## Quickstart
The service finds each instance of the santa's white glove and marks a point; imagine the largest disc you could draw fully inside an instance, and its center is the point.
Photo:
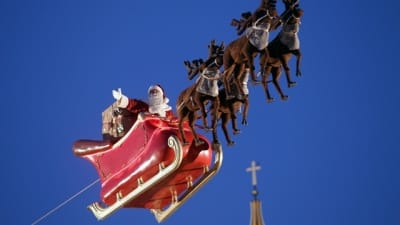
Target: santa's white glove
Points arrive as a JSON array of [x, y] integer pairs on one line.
[[122, 100], [117, 94]]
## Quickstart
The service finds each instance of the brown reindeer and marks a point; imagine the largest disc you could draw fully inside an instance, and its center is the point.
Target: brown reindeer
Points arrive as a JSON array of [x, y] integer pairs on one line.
[[240, 53], [248, 18], [280, 51], [205, 89], [228, 110]]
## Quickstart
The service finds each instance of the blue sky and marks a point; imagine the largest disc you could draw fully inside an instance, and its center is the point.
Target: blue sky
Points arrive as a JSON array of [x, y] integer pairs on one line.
[[329, 155]]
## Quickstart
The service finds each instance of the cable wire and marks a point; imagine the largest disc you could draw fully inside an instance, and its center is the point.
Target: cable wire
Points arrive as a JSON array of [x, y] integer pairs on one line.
[[65, 202]]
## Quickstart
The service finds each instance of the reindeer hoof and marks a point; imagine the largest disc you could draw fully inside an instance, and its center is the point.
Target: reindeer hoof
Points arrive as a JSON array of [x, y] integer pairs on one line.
[[236, 131], [292, 84], [285, 97], [231, 143], [270, 100], [216, 145]]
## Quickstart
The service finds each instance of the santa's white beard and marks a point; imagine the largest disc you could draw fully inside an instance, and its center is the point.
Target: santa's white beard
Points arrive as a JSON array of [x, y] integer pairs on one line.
[[157, 105]]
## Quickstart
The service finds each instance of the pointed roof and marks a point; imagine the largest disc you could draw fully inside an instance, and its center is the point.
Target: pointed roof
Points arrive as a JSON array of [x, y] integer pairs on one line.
[[256, 217]]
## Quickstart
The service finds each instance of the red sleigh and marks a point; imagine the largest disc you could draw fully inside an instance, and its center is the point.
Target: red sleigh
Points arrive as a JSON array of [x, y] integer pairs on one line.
[[149, 167]]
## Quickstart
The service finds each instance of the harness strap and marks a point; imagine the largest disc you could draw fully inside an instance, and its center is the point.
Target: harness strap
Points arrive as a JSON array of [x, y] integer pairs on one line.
[[216, 77]]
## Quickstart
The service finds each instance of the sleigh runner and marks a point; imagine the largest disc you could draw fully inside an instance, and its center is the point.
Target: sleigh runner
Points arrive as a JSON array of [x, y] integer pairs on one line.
[[149, 167]]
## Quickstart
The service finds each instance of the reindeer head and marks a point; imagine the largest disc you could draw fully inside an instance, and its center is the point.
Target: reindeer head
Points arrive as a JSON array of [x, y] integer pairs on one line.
[[298, 12], [291, 4], [296, 15], [266, 13], [270, 6], [216, 52]]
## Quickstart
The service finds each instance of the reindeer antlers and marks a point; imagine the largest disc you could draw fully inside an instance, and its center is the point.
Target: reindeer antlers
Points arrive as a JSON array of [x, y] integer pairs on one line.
[[192, 68]]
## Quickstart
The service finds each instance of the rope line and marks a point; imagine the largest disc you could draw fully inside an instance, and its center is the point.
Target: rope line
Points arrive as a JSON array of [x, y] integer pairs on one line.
[[65, 202]]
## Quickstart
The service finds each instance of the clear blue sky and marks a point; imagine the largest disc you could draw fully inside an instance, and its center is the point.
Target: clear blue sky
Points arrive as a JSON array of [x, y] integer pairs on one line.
[[329, 155]]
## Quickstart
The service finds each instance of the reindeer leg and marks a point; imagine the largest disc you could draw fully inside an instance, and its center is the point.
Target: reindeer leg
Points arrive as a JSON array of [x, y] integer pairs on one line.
[[297, 53], [285, 65], [200, 103], [192, 119], [225, 119], [238, 81], [264, 55], [180, 127], [276, 73], [265, 83], [232, 115], [245, 110], [216, 105], [250, 64], [234, 124], [226, 77]]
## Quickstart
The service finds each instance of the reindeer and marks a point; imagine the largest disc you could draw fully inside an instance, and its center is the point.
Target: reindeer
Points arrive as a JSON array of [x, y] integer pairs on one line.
[[230, 107], [248, 18], [240, 53], [280, 51], [204, 90]]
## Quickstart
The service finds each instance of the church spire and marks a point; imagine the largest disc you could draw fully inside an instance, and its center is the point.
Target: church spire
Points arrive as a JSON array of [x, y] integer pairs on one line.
[[256, 217]]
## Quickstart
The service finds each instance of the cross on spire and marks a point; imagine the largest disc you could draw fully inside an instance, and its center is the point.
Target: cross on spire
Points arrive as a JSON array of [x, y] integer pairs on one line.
[[253, 169]]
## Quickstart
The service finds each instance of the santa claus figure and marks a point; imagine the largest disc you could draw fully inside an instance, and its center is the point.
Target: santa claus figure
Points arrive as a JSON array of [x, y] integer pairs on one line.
[[158, 102], [120, 116]]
